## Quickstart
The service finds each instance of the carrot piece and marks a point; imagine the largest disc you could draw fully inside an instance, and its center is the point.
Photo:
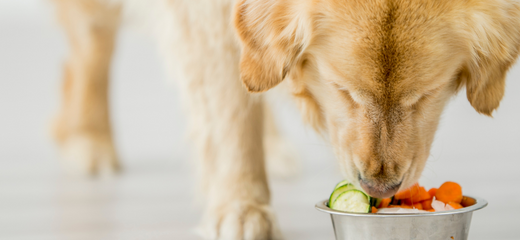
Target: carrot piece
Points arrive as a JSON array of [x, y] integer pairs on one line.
[[406, 206], [407, 193], [384, 203], [449, 192], [374, 209], [467, 201], [418, 206], [427, 204], [431, 210], [420, 196], [400, 206], [432, 192], [455, 205]]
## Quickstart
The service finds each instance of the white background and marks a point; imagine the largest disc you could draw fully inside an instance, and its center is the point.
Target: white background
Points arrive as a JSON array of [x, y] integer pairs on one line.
[[152, 199]]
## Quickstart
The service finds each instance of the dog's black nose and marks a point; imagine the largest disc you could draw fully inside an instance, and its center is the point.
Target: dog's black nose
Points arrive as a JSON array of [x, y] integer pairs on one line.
[[379, 190]]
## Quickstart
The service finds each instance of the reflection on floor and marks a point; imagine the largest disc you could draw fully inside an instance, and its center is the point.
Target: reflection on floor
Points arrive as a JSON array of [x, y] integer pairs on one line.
[[149, 200]]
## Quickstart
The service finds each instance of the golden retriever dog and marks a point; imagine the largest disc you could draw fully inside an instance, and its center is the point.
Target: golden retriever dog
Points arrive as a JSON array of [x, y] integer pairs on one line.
[[372, 75]]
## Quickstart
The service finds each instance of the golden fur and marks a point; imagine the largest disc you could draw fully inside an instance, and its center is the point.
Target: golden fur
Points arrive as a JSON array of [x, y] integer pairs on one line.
[[82, 127], [373, 75], [376, 74]]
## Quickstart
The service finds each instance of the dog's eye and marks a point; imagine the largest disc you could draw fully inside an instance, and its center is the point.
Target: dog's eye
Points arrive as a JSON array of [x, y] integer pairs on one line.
[[414, 101], [409, 100], [346, 94], [360, 97], [415, 106], [425, 98]]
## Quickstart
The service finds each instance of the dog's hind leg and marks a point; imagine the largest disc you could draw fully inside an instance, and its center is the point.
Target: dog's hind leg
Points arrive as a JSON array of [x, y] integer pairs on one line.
[[82, 126]]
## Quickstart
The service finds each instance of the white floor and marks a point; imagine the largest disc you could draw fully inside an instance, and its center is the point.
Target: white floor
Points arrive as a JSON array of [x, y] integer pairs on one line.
[[152, 198]]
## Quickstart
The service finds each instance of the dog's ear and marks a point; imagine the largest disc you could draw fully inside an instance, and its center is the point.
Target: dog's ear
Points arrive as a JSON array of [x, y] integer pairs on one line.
[[494, 32], [274, 33]]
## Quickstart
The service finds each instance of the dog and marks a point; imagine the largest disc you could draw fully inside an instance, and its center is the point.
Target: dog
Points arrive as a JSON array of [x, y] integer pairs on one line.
[[372, 75]]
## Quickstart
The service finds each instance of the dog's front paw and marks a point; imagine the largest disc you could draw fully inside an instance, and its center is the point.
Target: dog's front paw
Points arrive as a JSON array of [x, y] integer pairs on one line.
[[87, 155], [241, 222]]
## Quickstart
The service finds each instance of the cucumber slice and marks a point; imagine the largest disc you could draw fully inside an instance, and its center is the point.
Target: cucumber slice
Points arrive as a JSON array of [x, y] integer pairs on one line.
[[339, 191], [344, 182], [352, 200]]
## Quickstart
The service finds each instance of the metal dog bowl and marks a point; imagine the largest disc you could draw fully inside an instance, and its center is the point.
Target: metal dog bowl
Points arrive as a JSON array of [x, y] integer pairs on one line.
[[446, 225]]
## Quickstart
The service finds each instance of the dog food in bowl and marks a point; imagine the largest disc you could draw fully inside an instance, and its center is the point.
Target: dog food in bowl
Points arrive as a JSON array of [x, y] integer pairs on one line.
[[415, 199], [413, 213]]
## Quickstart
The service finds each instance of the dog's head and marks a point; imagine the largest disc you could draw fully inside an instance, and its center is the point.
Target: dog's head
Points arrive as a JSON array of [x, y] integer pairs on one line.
[[376, 74]]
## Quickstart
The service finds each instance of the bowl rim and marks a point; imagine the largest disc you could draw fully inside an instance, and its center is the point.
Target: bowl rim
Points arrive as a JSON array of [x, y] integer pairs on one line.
[[480, 203]]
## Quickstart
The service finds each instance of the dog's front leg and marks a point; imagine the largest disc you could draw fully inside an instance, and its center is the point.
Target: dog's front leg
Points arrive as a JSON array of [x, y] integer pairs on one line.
[[233, 171]]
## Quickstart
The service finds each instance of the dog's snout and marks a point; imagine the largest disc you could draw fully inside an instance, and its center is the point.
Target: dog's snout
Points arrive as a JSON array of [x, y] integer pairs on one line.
[[379, 190]]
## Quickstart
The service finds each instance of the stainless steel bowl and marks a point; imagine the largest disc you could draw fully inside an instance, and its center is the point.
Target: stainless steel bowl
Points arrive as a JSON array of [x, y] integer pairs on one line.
[[445, 225]]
